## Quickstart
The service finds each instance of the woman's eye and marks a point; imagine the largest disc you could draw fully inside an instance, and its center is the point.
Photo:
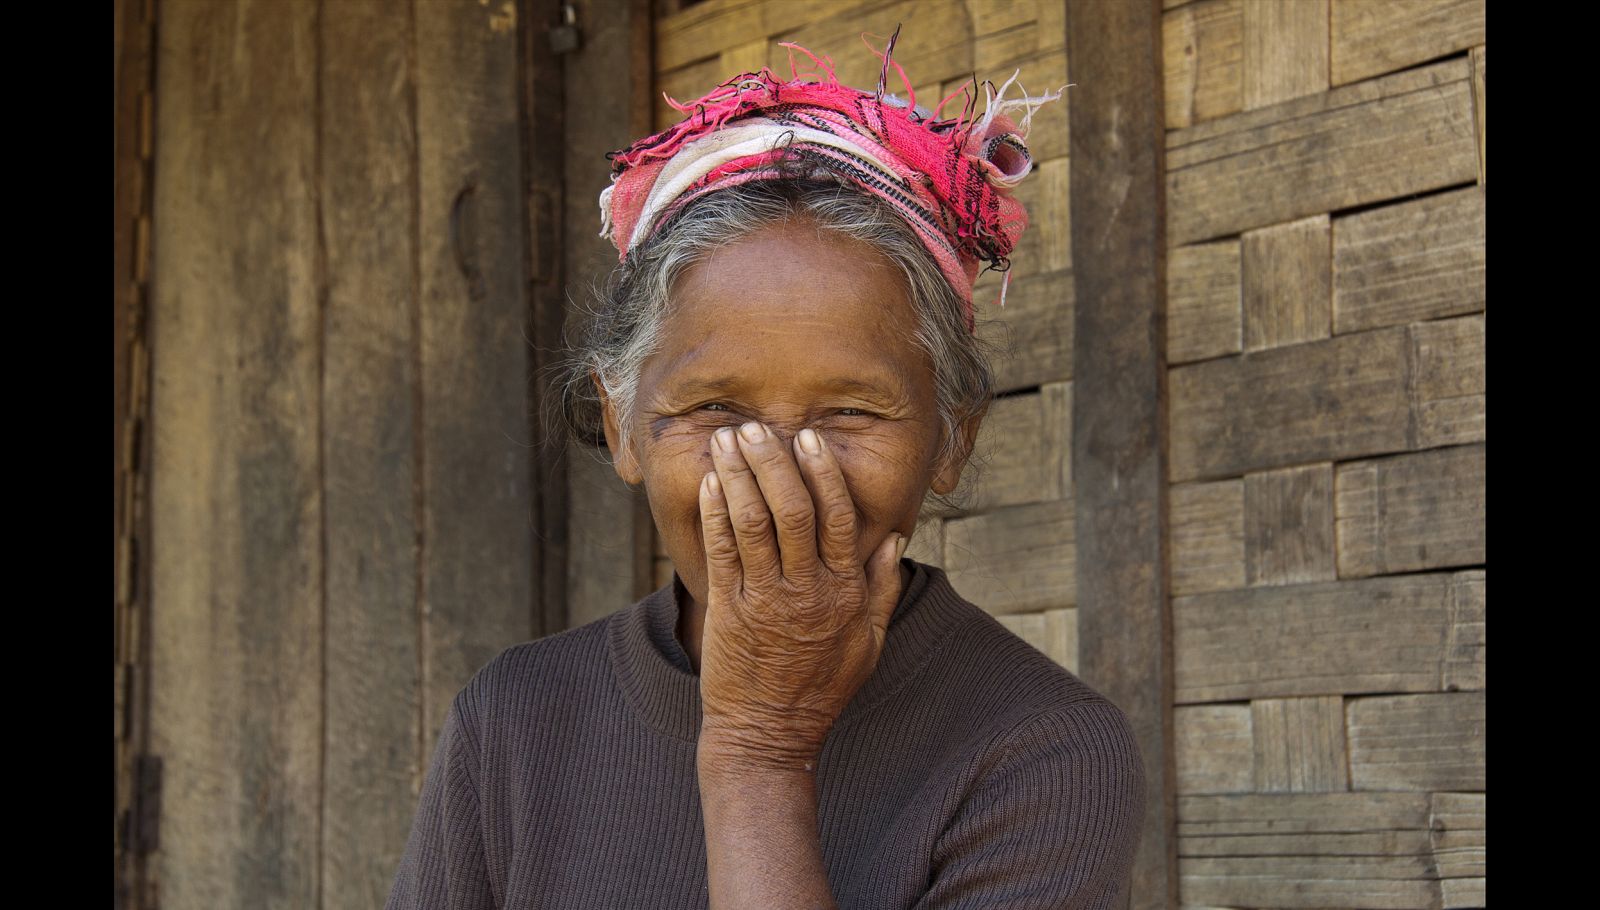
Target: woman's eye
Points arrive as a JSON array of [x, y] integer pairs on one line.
[[853, 412]]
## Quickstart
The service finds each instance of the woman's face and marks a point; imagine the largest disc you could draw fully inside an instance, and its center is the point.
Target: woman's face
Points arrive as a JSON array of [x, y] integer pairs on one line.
[[793, 328]]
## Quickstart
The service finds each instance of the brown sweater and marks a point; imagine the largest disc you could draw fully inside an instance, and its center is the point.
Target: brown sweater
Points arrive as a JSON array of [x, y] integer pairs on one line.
[[969, 771]]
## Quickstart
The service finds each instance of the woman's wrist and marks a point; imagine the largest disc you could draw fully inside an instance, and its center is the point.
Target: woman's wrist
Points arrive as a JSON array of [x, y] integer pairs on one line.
[[734, 750]]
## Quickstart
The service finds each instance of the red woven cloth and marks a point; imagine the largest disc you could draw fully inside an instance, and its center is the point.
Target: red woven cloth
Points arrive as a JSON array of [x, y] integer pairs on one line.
[[951, 179]]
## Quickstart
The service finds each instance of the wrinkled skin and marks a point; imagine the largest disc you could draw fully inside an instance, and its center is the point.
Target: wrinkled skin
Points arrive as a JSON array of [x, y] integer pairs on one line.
[[789, 558]]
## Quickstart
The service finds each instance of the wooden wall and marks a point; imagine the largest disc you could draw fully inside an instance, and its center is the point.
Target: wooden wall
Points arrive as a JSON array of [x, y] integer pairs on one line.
[[1326, 299], [343, 507]]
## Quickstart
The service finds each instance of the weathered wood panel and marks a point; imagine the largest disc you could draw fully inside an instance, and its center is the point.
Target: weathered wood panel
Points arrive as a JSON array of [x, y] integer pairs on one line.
[[479, 594], [1373, 38], [1054, 632], [1214, 748], [602, 568], [1203, 57], [1339, 398], [1450, 365], [1207, 536], [1309, 850], [236, 495], [1289, 525], [1025, 449], [1429, 741], [1412, 261], [600, 575], [1299, 744], [1119, 372], [1350, 396], [1285, 51], [1018, 559], [1480, 74], [1034, 331], [1383, 139], [1426, 510], [1287, 274], [1386, 634], [1458, 828], [1467, 641], [370, 370], [1205, 315]]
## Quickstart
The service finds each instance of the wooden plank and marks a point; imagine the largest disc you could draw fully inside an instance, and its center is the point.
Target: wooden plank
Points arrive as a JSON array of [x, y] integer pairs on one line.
[[237, 538], [1250, 815], [1449, 363], [1429, 741], [1285, 51], [602, 574], [1458, 828], [1356, 882], [1024, 449], [1287, 273], [1054, 632], [1033, 331], [1289, 525], [1413, 261], [1386, 634], [1205, 316], [479, 591], [1467, 641], [1425, 510], [708, 29], [1299, 744], [1018, 559], [1203, 54], [1214, 748], [748, 57], [935, 43], [1119, 372], [370, 483], [1207, 536], [1479, 77], [1403, 134], [1004, 32], [1369, 39], [1344, 397]]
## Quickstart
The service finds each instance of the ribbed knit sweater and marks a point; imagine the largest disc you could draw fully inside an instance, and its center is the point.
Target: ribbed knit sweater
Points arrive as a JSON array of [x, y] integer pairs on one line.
[[970, 770]]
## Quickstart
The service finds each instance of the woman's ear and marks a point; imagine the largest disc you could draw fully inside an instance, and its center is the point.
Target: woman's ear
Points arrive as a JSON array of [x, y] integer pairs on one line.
[[622, 458], [947, 474]]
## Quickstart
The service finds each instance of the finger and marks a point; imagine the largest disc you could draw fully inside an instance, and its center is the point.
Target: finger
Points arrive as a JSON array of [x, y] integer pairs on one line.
[[883, 585], [787, 498], [747, 511], [716, 533], [835, 510]]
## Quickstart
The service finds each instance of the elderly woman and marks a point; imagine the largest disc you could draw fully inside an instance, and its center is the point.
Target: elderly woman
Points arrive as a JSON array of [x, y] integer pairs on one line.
[[785, 362]]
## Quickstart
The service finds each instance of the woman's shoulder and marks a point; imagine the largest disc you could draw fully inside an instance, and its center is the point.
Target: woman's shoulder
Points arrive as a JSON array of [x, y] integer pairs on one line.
[[549, 669], [997, 694]]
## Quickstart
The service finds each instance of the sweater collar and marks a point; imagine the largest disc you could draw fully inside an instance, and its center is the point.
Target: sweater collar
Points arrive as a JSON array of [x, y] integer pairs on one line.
[[655, 674]]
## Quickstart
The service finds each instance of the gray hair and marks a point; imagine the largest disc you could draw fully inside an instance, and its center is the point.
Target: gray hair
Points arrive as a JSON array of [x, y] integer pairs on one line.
[[624, 329]]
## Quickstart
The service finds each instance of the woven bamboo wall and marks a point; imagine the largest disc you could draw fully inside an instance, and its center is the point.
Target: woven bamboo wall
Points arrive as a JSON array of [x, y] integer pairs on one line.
[[1327, 289]]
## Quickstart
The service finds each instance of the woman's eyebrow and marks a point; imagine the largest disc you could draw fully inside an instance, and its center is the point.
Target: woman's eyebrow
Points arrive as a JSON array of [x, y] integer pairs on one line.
[[840, 384]]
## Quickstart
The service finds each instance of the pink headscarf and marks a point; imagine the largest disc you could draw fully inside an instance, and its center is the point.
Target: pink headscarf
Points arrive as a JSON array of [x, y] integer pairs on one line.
[[950, 179]]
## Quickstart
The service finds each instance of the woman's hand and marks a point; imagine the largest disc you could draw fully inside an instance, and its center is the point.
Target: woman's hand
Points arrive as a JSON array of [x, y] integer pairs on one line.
[[794, 625]]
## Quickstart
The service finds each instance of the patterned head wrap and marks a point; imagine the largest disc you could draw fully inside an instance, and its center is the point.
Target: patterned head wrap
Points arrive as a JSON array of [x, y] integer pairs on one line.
[[951, 179]]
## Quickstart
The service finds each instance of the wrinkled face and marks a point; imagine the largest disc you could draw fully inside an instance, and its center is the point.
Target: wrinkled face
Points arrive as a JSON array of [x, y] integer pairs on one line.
[[792, 328]]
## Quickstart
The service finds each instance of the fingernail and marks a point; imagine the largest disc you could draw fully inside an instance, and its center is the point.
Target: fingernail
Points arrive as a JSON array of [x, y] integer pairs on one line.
[[725, 440], [753, 432], [809, 441], [714, 484], [900, 548]]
